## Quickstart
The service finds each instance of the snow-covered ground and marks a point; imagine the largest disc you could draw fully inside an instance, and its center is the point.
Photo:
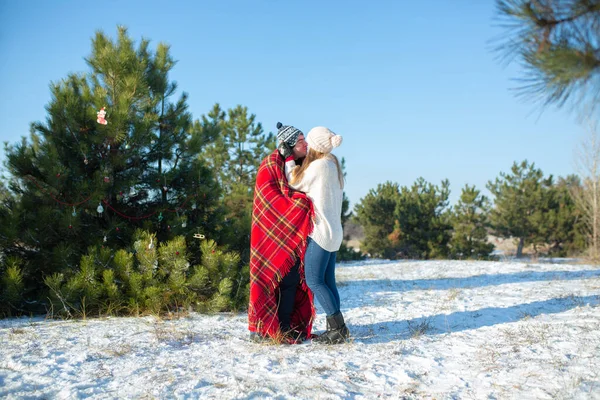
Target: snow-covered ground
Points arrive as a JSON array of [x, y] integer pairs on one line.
[[421, 329]]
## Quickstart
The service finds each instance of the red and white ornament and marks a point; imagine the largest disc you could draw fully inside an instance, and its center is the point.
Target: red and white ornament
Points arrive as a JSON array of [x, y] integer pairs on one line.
[[101, 117]]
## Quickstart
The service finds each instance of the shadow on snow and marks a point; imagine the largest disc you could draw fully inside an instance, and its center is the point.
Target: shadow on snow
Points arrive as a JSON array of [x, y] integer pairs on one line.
[[383, 332]]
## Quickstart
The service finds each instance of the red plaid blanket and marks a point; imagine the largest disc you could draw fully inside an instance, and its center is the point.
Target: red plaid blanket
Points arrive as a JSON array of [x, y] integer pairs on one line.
[[281, 222]]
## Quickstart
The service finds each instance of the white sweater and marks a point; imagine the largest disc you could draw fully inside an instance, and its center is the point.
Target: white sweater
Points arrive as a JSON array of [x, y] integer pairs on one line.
[[321, 183]]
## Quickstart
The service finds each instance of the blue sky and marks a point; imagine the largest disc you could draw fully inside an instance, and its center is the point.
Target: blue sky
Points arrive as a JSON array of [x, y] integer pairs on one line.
[[414, 87]]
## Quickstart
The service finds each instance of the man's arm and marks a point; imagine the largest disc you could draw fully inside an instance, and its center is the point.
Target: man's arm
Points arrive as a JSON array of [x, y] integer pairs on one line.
[[290, 165], [309, 178]]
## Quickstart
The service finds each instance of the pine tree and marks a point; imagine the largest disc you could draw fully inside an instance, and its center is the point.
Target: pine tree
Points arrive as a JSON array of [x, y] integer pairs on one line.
[[238, 146], [346, 212], [115, 154], [559, 220], [12, 279], [346, 253], [11, 285], [422, 229], [8, 218], [156, 277], [218, 280], [517, 197], [375, 213], [469, 223], [558, 42]]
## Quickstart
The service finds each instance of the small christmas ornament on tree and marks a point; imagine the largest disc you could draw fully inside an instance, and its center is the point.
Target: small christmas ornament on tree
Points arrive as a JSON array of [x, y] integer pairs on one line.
[[101, 117]]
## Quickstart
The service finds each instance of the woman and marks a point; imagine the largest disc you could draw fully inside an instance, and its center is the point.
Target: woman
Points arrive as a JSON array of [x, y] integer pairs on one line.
[[320, 177]]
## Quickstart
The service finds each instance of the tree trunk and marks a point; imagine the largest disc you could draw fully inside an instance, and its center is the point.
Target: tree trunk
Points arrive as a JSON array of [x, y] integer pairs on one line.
[[520, 247], [595, 217]]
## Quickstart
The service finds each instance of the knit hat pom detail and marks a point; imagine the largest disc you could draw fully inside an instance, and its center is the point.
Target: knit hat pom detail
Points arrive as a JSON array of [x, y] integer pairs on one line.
[[336, 140], [279, 125]]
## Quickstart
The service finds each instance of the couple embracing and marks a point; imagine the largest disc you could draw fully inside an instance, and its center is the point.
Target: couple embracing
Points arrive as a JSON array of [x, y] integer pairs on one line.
[[296, 233]]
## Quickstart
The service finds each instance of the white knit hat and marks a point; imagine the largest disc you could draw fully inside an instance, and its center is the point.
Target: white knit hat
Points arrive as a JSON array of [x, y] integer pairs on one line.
[[322, 139]]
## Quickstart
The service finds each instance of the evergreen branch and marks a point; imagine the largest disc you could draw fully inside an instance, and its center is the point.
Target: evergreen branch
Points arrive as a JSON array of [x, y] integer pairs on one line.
[[558, 44]]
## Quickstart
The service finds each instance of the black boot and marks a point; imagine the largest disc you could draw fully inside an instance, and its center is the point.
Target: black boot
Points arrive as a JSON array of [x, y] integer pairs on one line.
[[337, 332], [327, 327]]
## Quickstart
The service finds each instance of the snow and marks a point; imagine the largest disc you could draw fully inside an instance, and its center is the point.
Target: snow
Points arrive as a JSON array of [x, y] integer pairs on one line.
[[420, 329]]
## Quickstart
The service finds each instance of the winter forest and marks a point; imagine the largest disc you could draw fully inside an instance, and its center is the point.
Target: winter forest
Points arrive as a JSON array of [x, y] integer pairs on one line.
[[121, 202], [126, 213]]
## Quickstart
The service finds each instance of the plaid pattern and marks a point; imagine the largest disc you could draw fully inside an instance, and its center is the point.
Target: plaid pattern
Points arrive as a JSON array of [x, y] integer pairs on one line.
[[281, 222]]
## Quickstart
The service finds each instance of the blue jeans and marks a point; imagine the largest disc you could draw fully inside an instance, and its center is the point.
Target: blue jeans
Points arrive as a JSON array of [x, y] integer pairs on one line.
[[319, 268]]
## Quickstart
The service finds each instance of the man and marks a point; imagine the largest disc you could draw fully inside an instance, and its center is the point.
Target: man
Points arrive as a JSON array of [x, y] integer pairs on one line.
[[281, 305]]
